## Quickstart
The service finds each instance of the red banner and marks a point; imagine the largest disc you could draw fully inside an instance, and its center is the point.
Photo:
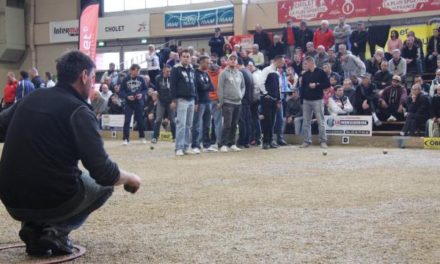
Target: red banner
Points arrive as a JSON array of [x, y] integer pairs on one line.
[[332, 9], [88, 28]]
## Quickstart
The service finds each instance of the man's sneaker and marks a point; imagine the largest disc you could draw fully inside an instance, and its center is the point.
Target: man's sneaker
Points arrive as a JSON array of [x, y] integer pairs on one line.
[[266, 146], [377, 122], [31, 238], [304, 145], [273, 145], [324, 145], [179, 152], [143, 141], [391, 119], [212, 149], [224, 149], [59, 244], [125, 142], [154, 140], [196, 151], [282, 142], [246, 146], [235, 148], [402, 133]]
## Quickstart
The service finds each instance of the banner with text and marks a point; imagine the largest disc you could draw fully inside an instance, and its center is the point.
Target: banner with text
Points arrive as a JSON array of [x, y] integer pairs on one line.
[[349, 125], [333, 9], [114, 122], [215, 17]]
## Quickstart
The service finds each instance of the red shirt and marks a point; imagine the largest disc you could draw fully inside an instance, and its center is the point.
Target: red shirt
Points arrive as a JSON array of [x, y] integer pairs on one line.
[[9, 94], [325, 39], [290, 37]]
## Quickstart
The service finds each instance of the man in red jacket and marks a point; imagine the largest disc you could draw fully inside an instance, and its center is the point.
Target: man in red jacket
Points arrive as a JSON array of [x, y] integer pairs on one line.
[[324, 36], [9, 91]]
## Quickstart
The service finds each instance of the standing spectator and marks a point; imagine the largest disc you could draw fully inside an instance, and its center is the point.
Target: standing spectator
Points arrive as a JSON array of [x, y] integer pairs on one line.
[[289, 38], [339, 104], [231, 89], [417, 111], [153, 63], [217, 42], [294, 112], [358, 40], [411, 54], [36, 78], [277, 48], [394, 42], [245, 119], [271, 100], [163, 107], [202, 113], [314, 81], [324, 36], [111, 73], [383, 77], [342, 33], [24, 87], [279, 117], [366, 100], [433, 50], [216, 111], [350, 92], [183, 94], [9, 91], [255, 138], [392, 101], [352, 65], [134, 89], [397, 65], [257, 57], [321, 57], [261, 38], [49, 82], [305, 35], [435, 84], [105, 92], [374, 64]]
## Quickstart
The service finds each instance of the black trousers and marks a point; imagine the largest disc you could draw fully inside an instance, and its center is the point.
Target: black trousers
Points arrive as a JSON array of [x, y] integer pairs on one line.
[[231, 113], [269, 108], [414, 121]]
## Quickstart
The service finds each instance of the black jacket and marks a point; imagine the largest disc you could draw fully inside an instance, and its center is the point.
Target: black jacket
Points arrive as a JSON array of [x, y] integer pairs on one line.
[[216, 45], [182, 82], [317, 76], [278, 49], [272, 85], [419, 107], [249, 87], [203, 86], [50, 131], [435, 106], [361, 38], [37, 81], [262, 39], [302, 37], [382, 77], [163, 88], [294, 108], [133, 86]]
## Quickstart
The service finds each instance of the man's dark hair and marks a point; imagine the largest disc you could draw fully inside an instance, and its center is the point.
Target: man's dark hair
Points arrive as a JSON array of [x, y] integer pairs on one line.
[[24, 74], [166, 66], [202, 58], [310, 59], [71, 64], [135, 67], [418, 76], [48, 75], [278, 57], [185, 51]]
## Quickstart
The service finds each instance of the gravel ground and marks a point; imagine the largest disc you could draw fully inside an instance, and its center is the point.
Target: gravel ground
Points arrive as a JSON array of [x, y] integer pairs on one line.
[[279, 206]]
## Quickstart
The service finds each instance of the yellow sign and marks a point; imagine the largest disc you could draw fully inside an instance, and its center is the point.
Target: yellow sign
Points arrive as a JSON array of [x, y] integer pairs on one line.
[[166, 136], [431, 143], [423, 32]]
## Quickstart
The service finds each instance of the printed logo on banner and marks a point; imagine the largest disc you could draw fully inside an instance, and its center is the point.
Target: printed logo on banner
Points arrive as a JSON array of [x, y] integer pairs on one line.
[[190, 19], [172, 20], [402, 5], [208, 18], [225, 15], [349, 125]]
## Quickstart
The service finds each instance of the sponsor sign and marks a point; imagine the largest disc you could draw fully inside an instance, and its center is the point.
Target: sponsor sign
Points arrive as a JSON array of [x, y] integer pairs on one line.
[[333, 9], [245, 41], [120, 27], [431, 143], [88, 29], [199, 18], [349, 125], [166, 136], [114, 122], [423, 32]]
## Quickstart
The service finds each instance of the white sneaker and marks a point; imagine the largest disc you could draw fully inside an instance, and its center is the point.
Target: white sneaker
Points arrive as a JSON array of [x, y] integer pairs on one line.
[[196, 150], [189, 152], [143, 141], [235, 148], [180, 153], [391, 119], [212, 149], [224, 149], [125, 142], [402, 133]]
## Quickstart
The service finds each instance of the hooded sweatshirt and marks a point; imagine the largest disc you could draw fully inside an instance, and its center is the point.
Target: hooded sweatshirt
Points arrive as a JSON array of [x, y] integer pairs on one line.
[[231, 87]]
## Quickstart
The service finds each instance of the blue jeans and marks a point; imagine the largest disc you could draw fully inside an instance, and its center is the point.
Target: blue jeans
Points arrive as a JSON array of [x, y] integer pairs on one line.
[[279, 123], [202, 122], [184, 121], [217, 116], [138, 108], [310, 107]]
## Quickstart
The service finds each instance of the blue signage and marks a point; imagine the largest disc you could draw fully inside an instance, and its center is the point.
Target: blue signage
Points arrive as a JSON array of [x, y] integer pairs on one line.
[[199, 18]]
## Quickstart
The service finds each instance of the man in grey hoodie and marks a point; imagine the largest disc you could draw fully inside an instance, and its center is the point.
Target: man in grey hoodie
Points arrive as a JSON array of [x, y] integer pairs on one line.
[[231, 89], [352, 65], [342, 33]]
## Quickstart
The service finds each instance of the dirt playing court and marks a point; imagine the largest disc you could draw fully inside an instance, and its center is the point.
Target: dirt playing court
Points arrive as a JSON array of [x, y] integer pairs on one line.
[[355, 205]]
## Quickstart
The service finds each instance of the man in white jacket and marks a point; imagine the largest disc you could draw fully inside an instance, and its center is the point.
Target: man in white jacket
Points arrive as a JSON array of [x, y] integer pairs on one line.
[[339, 104]]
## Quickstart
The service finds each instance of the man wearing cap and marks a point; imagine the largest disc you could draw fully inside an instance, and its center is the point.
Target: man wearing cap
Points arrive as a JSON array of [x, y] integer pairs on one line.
[[392, 100], [305, 35], [358, 39], [289, 38], [231, 89], [216, 43]]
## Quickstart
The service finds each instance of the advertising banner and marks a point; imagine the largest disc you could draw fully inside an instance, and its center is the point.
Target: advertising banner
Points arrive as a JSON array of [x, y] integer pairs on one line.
[[114, 122], [431, 143], [349, 125], [199, 18], [88, 29]]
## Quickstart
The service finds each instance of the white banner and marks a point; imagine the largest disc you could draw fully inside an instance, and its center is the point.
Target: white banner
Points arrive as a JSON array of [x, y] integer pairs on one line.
[[119, 27], [349, 125], [114, 122]]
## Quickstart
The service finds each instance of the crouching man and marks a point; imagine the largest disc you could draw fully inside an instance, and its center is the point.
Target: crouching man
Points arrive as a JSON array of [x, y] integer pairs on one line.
[[52, 129]]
